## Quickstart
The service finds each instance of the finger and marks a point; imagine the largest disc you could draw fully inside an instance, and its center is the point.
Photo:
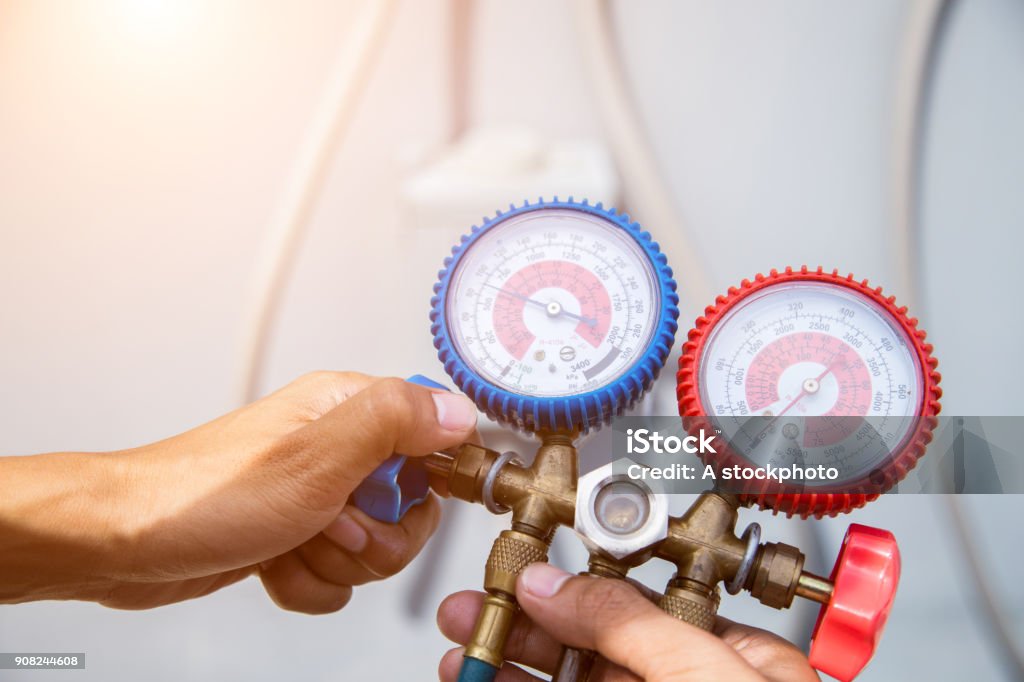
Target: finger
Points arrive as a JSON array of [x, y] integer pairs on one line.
[[606, 671], [294, 587], [451, 663], [526, 644], [333, 564], [650, 595], [381, 549], [613, 618], [336, 452], [774, 657]]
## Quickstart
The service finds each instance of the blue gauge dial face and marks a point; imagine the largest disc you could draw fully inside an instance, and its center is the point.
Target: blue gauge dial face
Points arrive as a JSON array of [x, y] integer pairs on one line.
[[553, 303]]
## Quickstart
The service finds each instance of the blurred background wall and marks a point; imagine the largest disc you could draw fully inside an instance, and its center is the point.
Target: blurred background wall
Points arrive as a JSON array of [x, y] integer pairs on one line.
[[144, 144]]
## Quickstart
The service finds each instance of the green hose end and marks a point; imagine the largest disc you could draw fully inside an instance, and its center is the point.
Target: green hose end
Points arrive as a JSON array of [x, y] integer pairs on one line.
[[475, 670]]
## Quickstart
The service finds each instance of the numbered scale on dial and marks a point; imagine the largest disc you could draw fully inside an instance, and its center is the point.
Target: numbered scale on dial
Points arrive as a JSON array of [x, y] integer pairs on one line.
[[555, 315], [816, 374]]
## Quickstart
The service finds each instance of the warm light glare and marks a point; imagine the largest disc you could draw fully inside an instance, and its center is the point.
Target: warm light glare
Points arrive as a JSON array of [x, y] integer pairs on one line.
[[147, 21]]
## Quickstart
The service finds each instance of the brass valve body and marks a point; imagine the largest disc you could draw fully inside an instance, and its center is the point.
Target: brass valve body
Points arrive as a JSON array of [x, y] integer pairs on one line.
[[702, 543], [541, 497]]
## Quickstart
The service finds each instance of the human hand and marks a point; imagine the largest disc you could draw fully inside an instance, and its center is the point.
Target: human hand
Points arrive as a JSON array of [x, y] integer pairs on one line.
[[260, 490], [635, 639]]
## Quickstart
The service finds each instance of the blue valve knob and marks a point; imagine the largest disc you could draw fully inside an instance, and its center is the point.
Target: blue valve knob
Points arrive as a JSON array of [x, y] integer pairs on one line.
[[394, 488]]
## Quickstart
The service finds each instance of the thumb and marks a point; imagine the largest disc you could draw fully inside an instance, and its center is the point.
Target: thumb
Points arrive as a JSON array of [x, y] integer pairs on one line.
[[344, 446], [614, 619]]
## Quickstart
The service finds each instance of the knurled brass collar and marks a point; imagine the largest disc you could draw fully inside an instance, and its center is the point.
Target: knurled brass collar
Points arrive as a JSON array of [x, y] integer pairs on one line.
[[511, 553]]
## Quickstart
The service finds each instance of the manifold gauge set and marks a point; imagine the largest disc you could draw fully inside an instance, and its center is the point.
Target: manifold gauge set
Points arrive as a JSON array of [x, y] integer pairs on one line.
[[556, 318]]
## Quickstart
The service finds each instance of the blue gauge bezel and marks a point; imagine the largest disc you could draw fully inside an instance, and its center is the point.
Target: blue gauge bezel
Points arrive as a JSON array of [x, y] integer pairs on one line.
[[585, 411]]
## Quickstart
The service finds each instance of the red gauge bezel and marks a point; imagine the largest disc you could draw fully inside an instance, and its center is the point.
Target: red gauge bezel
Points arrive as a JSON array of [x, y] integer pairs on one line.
[[778, 497]]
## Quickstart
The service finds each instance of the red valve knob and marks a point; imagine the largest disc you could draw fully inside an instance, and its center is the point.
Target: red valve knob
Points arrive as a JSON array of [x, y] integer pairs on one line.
[[849, 626]]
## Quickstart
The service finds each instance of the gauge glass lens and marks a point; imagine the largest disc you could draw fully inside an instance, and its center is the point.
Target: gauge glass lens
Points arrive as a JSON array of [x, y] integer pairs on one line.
[[622, 507], [812, 373], [552, 303]]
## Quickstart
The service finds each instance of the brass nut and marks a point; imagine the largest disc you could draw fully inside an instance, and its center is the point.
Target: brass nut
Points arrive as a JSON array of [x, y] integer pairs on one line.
[[468, 472], [776, 574], [511, 553]]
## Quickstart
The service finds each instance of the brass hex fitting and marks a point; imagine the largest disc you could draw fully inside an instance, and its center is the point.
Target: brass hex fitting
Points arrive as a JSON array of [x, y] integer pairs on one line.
[[776, 574], [541, 496], [469, 471]]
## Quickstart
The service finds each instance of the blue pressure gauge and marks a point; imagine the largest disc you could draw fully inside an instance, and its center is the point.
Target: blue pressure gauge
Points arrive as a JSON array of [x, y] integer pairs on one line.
[[555, 315]]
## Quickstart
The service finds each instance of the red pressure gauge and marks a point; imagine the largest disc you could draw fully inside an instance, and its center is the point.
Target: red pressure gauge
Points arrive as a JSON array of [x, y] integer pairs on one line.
[[818, 375]]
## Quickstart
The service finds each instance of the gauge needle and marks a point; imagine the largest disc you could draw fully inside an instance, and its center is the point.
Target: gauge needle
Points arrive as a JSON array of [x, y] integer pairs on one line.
[[553, 308], [809, 386]]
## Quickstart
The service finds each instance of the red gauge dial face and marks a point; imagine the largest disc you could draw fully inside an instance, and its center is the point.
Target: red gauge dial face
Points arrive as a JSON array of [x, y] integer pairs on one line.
[[811, 371], [813, 376]]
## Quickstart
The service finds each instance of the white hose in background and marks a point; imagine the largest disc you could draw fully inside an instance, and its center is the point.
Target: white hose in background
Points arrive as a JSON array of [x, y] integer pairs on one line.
[[910, 92], [1000, 626], [641, 176], [916, 68], [331, 121]]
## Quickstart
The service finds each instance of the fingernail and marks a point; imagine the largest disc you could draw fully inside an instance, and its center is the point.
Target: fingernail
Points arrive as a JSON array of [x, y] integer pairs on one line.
[[455, 412], [347, 533], [543, 580]]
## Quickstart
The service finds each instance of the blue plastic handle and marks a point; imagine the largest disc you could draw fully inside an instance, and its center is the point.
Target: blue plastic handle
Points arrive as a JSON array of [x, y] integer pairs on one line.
[[394, 488]]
